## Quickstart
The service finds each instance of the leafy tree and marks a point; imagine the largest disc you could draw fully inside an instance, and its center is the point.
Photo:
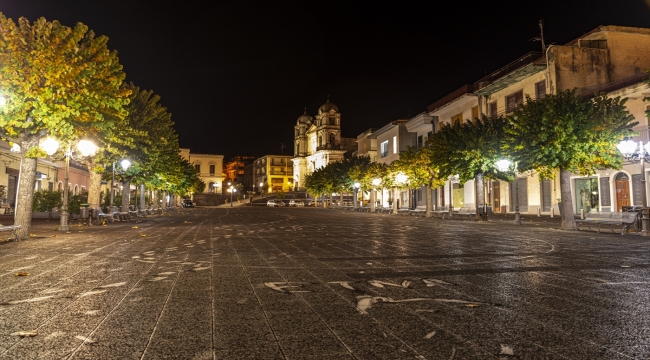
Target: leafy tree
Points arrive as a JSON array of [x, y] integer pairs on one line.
[[470, 150], [569, 134], [421, 171], [57, 81]]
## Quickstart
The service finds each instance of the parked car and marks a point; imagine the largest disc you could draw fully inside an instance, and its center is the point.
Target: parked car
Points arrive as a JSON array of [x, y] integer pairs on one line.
[[275, 203], [187, 203], [300, 204], [292, 202]]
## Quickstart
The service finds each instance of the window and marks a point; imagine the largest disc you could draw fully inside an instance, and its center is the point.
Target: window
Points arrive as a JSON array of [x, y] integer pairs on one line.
[[540, 90], [365, 146], [384, 149], [332, 138], [420, 141], [594, 44], [50, 186], [320, 141], [474, 113], [493, 109], [197, 167], [332, 121], [457, 119], [394, 144], [514, 100], [212, 169]]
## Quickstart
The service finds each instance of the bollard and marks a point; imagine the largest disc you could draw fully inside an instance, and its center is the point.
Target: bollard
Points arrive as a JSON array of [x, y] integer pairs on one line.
[[582, 214], [539, 212], [552, 211]]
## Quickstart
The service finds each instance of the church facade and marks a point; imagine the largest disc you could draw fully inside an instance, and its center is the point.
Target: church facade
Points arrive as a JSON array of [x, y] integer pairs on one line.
[[318, 142]]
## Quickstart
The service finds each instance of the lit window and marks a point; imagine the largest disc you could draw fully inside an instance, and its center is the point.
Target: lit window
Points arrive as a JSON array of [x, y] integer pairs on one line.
[[394, 144], [384, 149]]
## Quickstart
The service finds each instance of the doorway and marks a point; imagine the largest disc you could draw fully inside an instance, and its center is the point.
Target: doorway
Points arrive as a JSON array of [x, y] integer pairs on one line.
[[496, 196], [622, 191]]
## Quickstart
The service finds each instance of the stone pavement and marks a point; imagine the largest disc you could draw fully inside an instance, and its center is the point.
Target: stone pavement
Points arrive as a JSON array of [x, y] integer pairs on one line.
[[305, 283]]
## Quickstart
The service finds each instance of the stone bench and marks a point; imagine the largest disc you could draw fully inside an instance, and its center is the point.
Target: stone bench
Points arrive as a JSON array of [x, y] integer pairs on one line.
[[13, 229], [624, 219], [469, 212], [443, 210], [419, 210]]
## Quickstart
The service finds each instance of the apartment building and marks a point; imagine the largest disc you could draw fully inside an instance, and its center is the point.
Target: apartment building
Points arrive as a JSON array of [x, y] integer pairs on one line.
[[274, 173], [609, 59]]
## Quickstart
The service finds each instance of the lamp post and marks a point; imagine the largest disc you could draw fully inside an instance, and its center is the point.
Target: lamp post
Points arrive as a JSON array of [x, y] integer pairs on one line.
[[631, 153], [85, 148], [261, 187], [375, 183], [356, 191], [231, 189], [504, 165]]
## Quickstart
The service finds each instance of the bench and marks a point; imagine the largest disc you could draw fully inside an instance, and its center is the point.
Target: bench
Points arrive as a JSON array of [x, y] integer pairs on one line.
[[101, 216], [420, 209], [403, 211], [444, 210], [469, 212], [13, 229], [625, 219]]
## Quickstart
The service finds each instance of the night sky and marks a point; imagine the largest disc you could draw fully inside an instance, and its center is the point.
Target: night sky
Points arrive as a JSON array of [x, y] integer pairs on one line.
[[236, 75]]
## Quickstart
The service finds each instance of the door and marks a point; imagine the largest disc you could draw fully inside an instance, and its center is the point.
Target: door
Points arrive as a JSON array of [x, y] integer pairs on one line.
[[496, 197], [622, 194]]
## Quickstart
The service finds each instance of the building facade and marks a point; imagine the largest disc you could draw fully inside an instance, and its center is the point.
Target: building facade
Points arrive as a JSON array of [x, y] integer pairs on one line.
[[608, 59], [209, 167], [274, 173], [235, 169], [318, 142]]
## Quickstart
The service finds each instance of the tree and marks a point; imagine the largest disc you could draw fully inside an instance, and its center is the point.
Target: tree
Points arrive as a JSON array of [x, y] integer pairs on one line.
[[421, 171], [470, 150], [569, 134], [57, 81]]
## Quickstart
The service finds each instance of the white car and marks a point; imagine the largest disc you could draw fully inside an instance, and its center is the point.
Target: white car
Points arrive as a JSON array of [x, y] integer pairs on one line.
[[300, 204], [274, 203]]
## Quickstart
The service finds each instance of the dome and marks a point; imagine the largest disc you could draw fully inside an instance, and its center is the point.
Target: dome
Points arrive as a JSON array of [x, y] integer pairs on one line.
[[304, 118], [325, 108]]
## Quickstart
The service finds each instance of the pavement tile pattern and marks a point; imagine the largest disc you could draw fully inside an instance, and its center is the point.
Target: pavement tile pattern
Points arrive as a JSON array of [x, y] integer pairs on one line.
[[305, 283]]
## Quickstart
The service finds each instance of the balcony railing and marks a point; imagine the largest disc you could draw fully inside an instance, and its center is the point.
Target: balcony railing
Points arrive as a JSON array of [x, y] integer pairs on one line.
[[527, 59], [330, 147], [466, 89], [615, 85]]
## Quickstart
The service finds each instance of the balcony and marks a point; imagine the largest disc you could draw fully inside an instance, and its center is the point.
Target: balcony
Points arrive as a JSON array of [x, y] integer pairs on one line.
[[525, 66], [330, 147], [616, 85], [466, 89]]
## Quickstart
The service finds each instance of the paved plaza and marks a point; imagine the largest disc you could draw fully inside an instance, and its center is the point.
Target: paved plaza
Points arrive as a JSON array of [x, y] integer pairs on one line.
[[305, 283]]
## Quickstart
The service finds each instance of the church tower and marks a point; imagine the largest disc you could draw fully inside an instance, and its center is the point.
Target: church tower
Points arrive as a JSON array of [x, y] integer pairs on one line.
[[318, 142]]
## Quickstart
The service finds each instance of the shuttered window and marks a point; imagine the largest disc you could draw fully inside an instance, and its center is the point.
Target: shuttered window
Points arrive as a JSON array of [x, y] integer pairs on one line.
[[514, 100], [540, 90]]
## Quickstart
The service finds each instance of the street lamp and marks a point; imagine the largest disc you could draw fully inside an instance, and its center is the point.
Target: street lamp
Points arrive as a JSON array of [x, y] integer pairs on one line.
[[356, 191], [84, 148], [231, 190], [504, 165], [400, 179], [375, 183], [261, 187], [125, 165], [631, 153]]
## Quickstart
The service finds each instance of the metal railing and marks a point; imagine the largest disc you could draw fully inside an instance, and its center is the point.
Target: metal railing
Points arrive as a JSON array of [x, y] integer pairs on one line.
[[527, 59], [615, 85], [465, 89]]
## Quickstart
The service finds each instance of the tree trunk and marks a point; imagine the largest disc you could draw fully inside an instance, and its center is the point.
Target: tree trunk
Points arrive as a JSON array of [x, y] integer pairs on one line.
[[25, 195], [94, 193], [429, 201], [341, 198], [394, 200], [143, 205], [479, 197], [126, 194], [568, 219]]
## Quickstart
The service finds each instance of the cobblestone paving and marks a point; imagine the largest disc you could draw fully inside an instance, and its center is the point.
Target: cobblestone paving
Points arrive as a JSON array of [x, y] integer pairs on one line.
[[304, 283]]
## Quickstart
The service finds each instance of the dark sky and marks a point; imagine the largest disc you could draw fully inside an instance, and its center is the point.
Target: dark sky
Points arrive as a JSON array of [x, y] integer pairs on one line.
[[237, 74]]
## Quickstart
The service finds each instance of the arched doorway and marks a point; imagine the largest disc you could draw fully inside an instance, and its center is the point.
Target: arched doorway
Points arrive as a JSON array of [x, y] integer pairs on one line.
[[622, 191]]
